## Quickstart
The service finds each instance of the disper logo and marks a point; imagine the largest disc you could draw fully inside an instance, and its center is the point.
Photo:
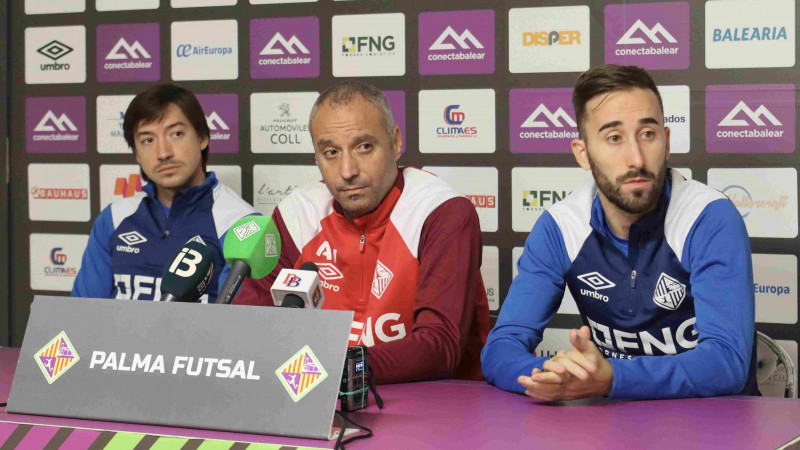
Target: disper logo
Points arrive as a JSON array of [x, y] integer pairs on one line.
[[301, 373], [122, 51], [246, 230], [189, 50], [669, 292], [745, 202], [465, 40], [452, 116], [536, 38], [128, 188], [56, 357], [55, 50], [368, 45]]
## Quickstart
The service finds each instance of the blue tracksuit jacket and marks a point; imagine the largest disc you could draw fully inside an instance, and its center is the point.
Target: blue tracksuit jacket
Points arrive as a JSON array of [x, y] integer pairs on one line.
[[675, 316], [132, 240]]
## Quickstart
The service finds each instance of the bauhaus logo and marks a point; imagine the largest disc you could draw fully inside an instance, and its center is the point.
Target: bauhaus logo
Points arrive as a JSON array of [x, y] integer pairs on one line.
[[52, 123], [653, 36], [750, 118], [542, 120], [124, 50], [456, 42], [478, 185], [465, 40], [284, 48]]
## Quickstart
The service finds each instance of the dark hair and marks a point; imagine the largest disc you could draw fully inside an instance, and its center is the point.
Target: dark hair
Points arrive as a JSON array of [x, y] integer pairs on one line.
[[344, 92], [150, 105], [601, 79]]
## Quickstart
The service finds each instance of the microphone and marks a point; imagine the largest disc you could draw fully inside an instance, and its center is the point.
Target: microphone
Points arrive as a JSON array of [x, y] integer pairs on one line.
[[252, 249], [298, 288], [188, 274]]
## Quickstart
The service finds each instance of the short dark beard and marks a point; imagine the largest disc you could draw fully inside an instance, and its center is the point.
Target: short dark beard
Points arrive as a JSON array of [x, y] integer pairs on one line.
[[639, 203]]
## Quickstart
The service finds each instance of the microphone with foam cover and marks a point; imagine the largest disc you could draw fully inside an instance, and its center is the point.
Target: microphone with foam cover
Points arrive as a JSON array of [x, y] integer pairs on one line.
[[298, 288], [252, 249], [188, 273]]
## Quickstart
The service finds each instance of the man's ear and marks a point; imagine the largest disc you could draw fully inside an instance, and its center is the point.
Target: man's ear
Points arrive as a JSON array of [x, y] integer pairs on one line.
[[397, 141], [666, 130], [580, 152], [204, 142]]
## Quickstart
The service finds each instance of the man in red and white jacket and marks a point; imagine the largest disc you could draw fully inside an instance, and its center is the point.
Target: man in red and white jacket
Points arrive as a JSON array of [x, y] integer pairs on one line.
[[398, 246]]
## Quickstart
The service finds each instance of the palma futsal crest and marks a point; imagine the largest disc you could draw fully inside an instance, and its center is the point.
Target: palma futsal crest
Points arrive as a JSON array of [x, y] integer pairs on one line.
[[301, 373], [56, 357]]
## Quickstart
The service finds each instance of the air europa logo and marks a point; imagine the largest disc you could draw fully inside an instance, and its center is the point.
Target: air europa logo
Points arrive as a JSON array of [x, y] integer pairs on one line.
[[189, 50]]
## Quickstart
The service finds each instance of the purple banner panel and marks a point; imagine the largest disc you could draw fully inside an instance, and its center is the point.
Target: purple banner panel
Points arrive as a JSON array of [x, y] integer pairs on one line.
[[456, 42], [55, 125], [222, 115], [284, 48], [750, 118], [128, 52], [541, 120], [397, 102], [649, 35]]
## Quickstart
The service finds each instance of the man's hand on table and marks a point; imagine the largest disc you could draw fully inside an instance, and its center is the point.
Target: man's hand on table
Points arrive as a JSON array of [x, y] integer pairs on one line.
[[575, 373]]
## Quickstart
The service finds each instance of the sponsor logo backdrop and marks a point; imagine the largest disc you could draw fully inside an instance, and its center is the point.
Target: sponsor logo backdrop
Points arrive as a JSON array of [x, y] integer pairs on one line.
[[481, 95]]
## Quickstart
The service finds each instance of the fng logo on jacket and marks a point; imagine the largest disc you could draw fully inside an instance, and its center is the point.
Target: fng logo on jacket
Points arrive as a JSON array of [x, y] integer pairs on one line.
[[669, 293], [596, 281], [381, 279], [246, 230]]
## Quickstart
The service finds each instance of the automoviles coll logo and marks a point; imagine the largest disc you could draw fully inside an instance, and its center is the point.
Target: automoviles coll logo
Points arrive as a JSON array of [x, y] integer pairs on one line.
[[745, 202], [285, 129], [655, 36], [128, 187], [56, 357], [301, 373], [368, 45], [453, 117]]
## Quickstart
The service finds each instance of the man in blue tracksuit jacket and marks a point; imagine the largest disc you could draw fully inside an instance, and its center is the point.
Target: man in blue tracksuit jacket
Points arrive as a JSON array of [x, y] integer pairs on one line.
[[659, 267], [132, 239]]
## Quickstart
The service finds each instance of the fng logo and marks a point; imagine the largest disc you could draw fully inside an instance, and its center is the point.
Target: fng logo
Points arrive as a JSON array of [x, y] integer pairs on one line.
[[463, 40], [370, 44], [134, 51], [292, 46]]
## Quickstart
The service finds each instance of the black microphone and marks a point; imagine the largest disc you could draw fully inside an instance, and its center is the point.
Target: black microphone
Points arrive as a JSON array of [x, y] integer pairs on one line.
[[298, 288], [188, 273]]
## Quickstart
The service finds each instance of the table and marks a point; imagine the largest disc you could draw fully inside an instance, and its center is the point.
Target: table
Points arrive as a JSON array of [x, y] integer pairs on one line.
[[462, 414]]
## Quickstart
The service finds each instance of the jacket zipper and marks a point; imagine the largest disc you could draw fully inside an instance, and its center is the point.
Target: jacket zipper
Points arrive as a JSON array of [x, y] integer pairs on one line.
[[361, 247]]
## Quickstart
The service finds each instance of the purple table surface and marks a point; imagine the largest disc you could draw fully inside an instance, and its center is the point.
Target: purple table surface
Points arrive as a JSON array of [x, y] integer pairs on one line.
[[463, 414]]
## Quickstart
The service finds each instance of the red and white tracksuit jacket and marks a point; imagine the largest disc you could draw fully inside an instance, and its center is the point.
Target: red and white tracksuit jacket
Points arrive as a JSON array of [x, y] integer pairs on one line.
[[410, 270]]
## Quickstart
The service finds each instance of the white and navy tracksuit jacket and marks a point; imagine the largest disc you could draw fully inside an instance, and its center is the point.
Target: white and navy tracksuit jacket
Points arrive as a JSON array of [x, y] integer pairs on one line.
[[132, 240], [672, 309]]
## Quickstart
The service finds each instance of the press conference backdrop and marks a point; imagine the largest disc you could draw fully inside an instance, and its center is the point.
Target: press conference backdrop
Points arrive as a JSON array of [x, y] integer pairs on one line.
[[480, 89], [5, 333]]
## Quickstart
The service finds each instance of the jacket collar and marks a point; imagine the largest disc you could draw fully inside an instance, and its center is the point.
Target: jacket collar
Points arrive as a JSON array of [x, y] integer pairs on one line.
[[187, 195]]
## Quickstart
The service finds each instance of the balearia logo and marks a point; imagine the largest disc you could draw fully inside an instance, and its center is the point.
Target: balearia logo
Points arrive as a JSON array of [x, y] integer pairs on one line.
[[56, 357], [189, 50], [453, 117], [546, 38], [752, 118], [745, 202], [246, 230], [131, 238], [301, 373], [598, 282], [749, 34], [55, 50], [368, 45], [669, 292]]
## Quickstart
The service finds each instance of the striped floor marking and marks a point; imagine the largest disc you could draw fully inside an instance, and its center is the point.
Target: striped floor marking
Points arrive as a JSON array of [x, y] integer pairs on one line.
[[14, 435]]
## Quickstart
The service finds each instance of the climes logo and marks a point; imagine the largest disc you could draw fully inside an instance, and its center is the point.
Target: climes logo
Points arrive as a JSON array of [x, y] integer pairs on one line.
[[56, 357], [128, 188], [56, 257], [555, 118], [292, 46], [131, 51], [452, 116], [463, 40], [754, 116], [55, 50], [50, 123], [651, 33]]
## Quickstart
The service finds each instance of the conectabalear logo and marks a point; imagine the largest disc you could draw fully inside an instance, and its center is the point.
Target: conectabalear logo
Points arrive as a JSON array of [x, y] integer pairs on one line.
[[56, 357]]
